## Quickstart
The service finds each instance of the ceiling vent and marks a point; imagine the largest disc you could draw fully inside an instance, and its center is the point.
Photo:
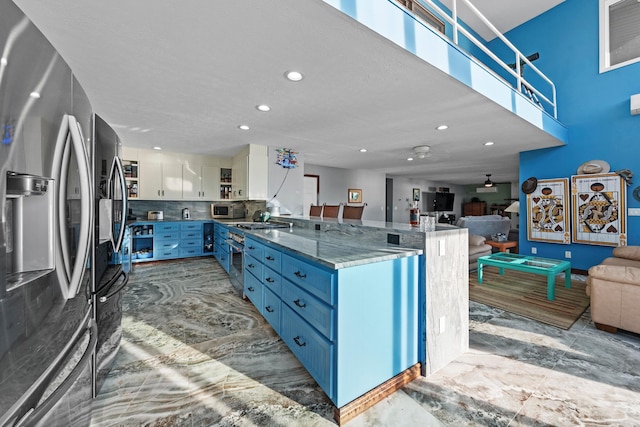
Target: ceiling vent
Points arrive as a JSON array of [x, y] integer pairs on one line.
[[422, 151]]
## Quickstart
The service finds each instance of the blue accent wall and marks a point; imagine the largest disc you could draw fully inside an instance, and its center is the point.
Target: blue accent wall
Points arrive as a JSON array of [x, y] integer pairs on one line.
[[595, 108]]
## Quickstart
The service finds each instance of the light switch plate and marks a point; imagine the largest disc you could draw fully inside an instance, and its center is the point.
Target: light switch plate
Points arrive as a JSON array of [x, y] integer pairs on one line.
[[633, 211]]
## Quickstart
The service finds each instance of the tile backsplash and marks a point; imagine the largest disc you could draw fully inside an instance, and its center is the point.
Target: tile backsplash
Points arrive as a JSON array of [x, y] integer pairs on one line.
[[172, 210]]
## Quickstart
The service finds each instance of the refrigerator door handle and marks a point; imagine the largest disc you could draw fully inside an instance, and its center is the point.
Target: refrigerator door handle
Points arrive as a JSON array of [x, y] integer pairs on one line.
[[69, 135], [34, 415], [117, 170], [116, 291]]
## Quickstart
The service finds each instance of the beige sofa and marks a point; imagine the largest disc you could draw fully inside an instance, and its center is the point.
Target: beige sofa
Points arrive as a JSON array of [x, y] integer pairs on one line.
[[480, 229], [614, 288]]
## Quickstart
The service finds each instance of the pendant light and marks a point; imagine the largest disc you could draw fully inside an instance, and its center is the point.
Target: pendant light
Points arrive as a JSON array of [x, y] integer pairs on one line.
[[488, 182]]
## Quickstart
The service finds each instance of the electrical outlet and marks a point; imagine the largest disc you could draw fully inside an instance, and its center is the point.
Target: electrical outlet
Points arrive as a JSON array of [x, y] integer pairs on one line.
[[441, 247], [567, 254], [317, 227], [443, 323], [633, 211], [534, 250]]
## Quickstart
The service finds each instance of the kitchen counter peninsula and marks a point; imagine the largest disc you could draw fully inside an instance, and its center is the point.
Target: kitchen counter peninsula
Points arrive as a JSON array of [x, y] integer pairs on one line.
[[332, 251]]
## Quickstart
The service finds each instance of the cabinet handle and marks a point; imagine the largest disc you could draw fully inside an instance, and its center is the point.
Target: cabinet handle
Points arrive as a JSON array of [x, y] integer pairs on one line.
[[250, 289], [158, 192], [269, 309], [297, 341], [300, 275], [163, 192], [251, 266], [251, 248], [269, 279], [270, 258], [299, 304]]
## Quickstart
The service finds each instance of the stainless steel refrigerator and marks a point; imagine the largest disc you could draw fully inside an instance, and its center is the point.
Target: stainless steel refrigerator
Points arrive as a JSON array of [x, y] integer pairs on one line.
[[48, 328]]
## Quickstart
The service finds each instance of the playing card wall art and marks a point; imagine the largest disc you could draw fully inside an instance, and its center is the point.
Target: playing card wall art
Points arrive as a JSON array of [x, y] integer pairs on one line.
[[599, 209], [548, 212]]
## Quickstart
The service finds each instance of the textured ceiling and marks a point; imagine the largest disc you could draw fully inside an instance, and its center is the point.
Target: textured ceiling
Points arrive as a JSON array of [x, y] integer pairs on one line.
[[185, 75]]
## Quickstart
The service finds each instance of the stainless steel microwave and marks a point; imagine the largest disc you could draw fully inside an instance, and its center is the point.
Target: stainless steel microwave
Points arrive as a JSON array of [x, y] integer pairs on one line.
[[226, 210]]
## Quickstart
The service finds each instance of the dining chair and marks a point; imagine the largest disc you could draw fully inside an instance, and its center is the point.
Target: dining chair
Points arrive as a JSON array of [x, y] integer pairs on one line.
[[352, 212], [330, 211], [315, 210]]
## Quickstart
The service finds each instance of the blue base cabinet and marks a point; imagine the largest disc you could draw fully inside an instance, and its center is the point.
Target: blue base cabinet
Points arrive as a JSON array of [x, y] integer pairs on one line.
[[352, 328], [220, 248], [160, 240]]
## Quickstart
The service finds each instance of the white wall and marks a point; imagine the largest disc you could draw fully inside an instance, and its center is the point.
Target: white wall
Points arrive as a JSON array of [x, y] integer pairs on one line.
[[291, 194], [403, 195], [335, 182]]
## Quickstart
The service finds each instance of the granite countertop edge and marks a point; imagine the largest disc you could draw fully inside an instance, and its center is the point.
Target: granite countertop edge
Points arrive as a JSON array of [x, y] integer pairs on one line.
[[346, 253]]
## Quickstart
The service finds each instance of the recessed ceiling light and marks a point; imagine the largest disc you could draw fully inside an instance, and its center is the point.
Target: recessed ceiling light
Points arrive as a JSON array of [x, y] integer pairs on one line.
[[409, 159], [488, 143], [35, 95], [157, 148], [263, 107], [3, 61], [442, 127], [363, 150], [243, 127], [294, 76]]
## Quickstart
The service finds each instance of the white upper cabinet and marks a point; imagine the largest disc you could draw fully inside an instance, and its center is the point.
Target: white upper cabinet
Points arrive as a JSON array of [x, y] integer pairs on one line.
[[160, 177], [200, 181], [250, 173]]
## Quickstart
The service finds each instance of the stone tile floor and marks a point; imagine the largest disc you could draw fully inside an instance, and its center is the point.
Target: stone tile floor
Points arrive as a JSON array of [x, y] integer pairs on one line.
[[194, 354]]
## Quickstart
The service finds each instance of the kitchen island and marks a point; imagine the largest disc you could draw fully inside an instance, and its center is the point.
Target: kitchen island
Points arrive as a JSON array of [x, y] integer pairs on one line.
[[364, 306]]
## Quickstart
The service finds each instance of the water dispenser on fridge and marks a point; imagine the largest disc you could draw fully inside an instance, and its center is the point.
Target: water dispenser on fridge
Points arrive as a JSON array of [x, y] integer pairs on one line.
[[29, 213]]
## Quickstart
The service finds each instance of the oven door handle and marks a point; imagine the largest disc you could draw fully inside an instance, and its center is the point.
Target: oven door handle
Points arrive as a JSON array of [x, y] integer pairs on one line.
[[235, 245]]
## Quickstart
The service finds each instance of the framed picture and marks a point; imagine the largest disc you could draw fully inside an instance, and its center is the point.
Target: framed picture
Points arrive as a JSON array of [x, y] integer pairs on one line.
[[548, 212], [354, 195], [416, 194], [599, 210]]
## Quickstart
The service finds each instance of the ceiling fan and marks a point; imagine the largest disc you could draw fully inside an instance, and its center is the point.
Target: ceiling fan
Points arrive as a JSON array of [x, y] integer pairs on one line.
[[488, 182], [422, 151]]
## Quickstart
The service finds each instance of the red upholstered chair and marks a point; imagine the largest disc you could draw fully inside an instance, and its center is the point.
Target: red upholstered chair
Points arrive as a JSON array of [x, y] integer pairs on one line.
[[315, 210], [330, 211], [352, 212]]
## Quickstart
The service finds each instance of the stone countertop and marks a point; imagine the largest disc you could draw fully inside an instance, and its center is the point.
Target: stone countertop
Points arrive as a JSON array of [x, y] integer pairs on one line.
[[331, 251]]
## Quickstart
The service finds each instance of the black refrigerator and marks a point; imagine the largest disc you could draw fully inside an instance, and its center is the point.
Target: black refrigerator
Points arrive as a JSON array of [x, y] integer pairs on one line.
[[48, 291]]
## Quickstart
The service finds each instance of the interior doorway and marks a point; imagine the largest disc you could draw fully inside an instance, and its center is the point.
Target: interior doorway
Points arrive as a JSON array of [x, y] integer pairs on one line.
[[311, 192], [388, 216]]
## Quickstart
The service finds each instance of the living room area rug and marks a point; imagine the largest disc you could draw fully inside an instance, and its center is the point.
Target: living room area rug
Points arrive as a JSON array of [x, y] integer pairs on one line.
[[526, 294]]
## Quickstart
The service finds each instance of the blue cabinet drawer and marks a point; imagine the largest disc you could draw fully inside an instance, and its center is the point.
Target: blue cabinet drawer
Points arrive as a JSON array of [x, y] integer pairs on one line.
[[193, 251], [272, 259], [272, 309], [310, 278], [223, 257], [166, 253], [164, 227], [190, 243], [191, 226], [315, 312], [162, 245], [191, 234], [253, 248], [167, 235], [272, 280], [253, 290], [253, 266], [311, 348]]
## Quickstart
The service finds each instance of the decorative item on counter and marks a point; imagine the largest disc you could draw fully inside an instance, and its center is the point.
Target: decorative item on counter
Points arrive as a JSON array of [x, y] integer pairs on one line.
[[414, 215], [416, 194], [593, 166], [286, 158]]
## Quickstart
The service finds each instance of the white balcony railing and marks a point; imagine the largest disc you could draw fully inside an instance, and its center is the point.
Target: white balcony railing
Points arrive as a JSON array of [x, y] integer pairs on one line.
[[535, 95]]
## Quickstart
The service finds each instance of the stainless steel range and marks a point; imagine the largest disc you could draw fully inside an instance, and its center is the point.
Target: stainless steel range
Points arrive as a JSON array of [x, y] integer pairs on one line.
[[236, 247]]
